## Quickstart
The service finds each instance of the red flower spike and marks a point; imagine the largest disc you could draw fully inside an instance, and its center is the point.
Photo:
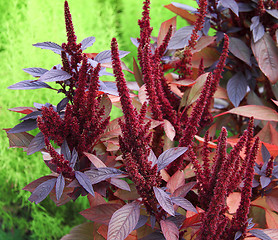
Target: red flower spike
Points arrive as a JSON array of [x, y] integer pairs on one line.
[[239, 221], [269, 168], [69, 27]]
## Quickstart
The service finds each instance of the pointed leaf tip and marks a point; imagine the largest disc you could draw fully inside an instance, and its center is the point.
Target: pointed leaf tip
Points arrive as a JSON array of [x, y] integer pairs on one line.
[[123, 221]]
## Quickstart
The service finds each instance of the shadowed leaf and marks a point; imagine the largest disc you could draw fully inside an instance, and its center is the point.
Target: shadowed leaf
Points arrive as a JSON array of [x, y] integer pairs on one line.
[[236, 88], [101, 213], [19, 140], [169, 230], [36, 144], [42, 191], [240, 50], [60, 184], [85, 182]]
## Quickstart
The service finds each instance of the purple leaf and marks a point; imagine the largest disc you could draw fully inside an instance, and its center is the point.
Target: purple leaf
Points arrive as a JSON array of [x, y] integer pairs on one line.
[[87, 42], [49, 45], [42, 191], [120, 184], [184, 203], [154, 236], [236, 88], [152, 221], [164, 200], [152, 158], [238, 235], [259, 234], [32, 115], [169, 230], [62, 104], [180, 38], [60, 184], [183, 6], [240, 50], [135, 41], [105, 56], [35, 72], [141, 222], [231, 4], [101, 174], [178, 219], [28, 84], [264, 181], [244, 7], [169, 156], [74, 157], [123, 221], [55, 75], [273, 12], [24, 126], [85, 182], [265, 153], [65, 150], [257, 28], [36, 144]]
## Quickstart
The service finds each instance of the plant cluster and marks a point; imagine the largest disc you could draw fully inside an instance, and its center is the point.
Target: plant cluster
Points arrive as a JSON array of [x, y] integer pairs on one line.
[[156, 172]]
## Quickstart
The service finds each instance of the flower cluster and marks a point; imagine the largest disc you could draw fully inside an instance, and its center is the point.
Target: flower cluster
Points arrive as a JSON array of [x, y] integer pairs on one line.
[[215, 183], [134, 142]]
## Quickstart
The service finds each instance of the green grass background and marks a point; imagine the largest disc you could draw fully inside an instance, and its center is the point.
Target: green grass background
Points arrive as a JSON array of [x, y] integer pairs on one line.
[[23, 23]]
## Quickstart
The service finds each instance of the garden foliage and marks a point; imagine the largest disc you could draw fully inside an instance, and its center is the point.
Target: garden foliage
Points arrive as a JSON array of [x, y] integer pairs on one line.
[[166, 169]]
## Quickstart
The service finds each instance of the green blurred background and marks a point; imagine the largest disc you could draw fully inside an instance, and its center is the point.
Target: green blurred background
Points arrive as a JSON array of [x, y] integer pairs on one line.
[[23, 23]]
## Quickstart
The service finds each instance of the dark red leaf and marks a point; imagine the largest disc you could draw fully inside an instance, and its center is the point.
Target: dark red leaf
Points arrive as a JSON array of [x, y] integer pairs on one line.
[[19, 140], [24, 110], [164, 29], [169, 230], [183, 13], [266, 53], [101, 213]]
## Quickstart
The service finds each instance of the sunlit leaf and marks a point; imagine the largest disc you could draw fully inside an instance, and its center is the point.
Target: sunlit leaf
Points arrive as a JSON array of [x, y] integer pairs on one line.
[[184, 203], [123, 221], [260, 234], [50, 46], [29, 84], [87, 42], [164, 200], [258, 112], [55, 75], [266, 53], [169, 156]]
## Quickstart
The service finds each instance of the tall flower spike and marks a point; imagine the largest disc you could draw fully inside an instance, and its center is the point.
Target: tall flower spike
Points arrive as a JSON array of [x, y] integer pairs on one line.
[[239, 221], [129, 111], [69, 26]]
